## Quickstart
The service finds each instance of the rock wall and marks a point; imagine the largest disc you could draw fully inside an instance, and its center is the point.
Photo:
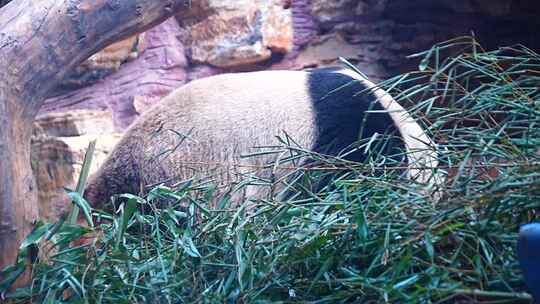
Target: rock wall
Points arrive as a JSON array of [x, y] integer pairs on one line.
[[59, 143], [106, 93]]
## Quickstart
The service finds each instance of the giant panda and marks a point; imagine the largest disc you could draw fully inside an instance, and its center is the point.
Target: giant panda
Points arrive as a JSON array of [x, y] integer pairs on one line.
[[210, 124]]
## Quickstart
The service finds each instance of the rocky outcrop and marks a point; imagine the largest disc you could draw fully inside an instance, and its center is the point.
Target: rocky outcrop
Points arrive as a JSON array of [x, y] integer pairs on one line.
[[73, 124], [215, 36], [157, 71], [229, 34], [59, 143], [103, 63]]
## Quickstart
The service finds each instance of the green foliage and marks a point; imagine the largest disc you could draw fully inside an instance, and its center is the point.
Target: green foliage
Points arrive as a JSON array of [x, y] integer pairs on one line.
[[363, 238]]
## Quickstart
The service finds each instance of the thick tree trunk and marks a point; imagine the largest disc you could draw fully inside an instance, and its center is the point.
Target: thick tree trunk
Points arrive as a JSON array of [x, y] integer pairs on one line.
[[17, 199], [40, 41]]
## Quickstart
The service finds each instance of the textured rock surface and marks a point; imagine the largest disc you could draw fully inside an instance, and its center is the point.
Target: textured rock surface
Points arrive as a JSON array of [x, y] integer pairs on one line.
[[157, 71], [229, 34], [57, 163], [58, 147], [218, 36], [104, 63], [75, 123]]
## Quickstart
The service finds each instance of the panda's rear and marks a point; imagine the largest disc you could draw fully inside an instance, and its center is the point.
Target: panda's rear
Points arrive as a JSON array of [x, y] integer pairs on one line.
[[212, 123]]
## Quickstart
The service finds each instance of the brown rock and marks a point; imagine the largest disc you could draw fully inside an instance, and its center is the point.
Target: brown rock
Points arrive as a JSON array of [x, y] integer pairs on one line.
[[227, 41], [327, 51], [52, 165], [105, 62], [57, 161], [115, 54], [239, 33], [75, 123], [277, 29]]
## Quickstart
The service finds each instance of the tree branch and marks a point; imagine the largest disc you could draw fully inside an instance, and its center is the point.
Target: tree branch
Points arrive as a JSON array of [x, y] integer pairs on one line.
[[40, 41]]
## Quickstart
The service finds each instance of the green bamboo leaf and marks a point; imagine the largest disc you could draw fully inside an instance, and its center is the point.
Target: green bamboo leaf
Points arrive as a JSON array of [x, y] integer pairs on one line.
[[328, 263], [129, 208], [36, 236], [83, 205], [429, 246], [85, 171], [188, 245]]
